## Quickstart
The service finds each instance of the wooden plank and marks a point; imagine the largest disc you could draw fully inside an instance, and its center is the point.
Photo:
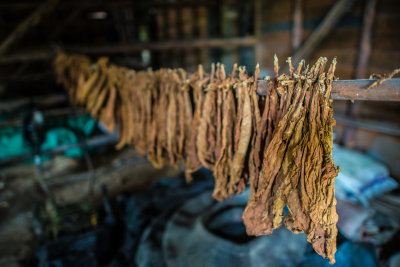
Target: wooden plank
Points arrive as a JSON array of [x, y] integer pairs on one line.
[[355, 90]]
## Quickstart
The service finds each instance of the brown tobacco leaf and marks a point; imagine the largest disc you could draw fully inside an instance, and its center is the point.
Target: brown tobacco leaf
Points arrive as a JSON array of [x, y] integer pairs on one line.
[[71, 72], [240, 102], [107, 115], [321, 207], [237, 179], [297, 169], [125, 114], [218, 133], [86, 86], [93, 99], [157, 142], [260, 132], [185, 120], [145, 99], [281, 141], [207, 129], [172, 124], [192, 162], [220, 77], [224, 158], [162, 122], [223, 163]]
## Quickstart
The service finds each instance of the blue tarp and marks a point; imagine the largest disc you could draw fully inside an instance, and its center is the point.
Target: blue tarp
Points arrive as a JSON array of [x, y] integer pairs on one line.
[[12, 142]]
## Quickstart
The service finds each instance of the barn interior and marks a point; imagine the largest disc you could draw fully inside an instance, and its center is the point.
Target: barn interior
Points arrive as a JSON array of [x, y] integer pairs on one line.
[[70, 197]]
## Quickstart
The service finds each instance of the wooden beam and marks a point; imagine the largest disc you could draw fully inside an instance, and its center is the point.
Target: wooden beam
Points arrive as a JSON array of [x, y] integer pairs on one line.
[[257, 30], [24, 27], [355, 90], [323, 29], [342, 90], [297, 25], [366, 36], [354, 108], [160, 46]]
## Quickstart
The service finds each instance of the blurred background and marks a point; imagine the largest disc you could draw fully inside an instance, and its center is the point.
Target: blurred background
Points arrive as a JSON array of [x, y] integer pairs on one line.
[[63, 185]]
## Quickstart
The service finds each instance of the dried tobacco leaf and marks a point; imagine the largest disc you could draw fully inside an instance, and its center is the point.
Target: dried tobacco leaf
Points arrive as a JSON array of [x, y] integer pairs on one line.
[[298, 170], [281, 141], [192, 162], [206, 138], [225, 156]]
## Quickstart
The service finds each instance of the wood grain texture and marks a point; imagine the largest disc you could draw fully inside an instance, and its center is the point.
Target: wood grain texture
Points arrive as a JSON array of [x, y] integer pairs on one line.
[[355, 90]]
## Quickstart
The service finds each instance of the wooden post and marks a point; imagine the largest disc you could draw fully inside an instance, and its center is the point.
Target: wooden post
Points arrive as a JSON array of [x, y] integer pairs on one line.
[[257, 30], [354, 90], [366, 38], [26, 25], [297, 25], [201, 25], [323, 29], [353, 109]]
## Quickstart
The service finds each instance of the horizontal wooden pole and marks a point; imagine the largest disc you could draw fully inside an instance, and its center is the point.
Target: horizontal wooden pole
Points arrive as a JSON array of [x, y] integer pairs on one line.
[[342, 90], [355, 90]]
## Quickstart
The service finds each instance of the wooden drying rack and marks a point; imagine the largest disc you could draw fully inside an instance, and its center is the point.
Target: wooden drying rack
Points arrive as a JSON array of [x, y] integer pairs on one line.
[[389, 90], [342, 90]]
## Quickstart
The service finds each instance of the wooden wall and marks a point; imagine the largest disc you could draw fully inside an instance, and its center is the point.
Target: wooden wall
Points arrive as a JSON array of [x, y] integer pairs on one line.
[[129, 23], [343, 42]]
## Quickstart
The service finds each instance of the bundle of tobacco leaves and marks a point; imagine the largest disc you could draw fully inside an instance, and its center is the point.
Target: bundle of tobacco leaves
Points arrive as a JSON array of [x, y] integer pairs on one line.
[[280, 143], [297, 168]]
